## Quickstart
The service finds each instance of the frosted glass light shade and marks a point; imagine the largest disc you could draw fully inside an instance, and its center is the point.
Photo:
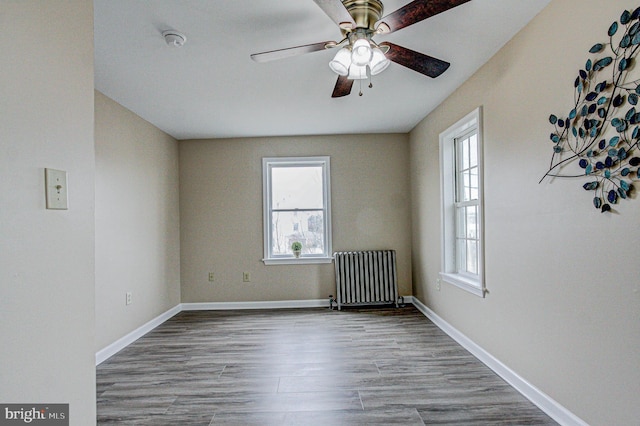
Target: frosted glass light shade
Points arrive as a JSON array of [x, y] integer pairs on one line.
[[378, 62], [357, 72], [362, 53], [341, 62]]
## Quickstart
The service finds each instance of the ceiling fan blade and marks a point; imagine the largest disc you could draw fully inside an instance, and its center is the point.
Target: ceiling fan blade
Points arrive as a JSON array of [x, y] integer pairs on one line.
[[343, 87], [416, 11], [337, 12], [416, 61], [291, 51]]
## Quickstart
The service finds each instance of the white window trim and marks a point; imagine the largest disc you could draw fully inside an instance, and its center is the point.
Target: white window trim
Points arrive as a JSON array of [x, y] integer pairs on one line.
[[267, 163], [448, 274]]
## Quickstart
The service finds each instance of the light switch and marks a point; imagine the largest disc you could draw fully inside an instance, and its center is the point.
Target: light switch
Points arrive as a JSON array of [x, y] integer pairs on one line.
[[56, 189]]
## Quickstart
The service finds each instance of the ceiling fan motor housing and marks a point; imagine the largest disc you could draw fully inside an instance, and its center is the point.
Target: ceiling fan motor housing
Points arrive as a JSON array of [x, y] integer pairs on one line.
[[365, 13]]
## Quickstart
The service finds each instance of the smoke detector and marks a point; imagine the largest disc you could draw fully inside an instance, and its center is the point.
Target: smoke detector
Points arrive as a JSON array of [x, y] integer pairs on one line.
[[174, 38]]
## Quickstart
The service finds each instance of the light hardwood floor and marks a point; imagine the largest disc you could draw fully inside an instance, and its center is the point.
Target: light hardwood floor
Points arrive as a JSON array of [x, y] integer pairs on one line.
[[304, 367]]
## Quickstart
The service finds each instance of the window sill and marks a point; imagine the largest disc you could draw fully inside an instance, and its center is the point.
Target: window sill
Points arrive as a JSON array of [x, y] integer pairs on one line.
[[467, 284], [297, 261]]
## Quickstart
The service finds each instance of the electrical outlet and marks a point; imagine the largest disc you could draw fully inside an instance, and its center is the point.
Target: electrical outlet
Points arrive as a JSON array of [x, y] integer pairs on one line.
[[246, 277], [438, 282], [211, 277], [129, 298]]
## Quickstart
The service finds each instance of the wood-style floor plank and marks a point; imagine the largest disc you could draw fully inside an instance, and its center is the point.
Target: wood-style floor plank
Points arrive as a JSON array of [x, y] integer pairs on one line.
[[304, 367]]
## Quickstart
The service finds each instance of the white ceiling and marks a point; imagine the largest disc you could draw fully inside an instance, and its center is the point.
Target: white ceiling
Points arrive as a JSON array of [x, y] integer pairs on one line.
[[210, 88]]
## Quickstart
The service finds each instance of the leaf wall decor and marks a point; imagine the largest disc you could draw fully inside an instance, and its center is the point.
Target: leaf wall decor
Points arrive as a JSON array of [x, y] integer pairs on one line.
[[599, 136]]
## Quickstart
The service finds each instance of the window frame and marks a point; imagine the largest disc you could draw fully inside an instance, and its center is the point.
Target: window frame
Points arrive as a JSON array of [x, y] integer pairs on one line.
[[450, 204], [268, 163]]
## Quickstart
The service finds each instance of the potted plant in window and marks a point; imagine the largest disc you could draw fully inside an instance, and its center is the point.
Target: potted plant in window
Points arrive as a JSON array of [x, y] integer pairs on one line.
[[297, 248]]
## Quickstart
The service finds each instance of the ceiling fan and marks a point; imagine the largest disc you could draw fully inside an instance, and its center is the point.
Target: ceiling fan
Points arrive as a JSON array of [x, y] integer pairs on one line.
[[359, 57]]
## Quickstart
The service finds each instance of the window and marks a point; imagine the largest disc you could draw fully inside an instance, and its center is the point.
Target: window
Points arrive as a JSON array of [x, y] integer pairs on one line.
[[462, 212], [297, 200]]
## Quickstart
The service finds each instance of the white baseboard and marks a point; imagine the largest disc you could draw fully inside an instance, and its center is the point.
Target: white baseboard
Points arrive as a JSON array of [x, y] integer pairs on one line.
[[107, 352], [551, 407], [279, 304]]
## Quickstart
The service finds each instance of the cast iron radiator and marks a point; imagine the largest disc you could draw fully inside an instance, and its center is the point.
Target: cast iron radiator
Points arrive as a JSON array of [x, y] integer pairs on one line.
[[366, 277]]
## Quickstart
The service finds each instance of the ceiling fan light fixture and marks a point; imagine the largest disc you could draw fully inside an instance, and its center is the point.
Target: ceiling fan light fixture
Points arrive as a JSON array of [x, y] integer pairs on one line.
[[361, 52], [379, 62], [341, 62]]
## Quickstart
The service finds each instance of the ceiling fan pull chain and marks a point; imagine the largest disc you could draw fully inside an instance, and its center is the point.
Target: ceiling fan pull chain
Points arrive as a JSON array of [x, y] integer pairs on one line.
[[360, 83]]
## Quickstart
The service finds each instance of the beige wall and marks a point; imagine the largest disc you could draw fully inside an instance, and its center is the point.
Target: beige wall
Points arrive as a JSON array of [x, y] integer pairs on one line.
[[47, 256], [221, 213], [563, 308], [137, 221]]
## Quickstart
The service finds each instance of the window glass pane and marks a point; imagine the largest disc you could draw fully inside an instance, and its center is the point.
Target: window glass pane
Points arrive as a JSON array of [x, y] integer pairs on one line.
[[473, 184], [306, 227], [467, 168], [472, 257], [296, 188], [461, 253], [471, 214], [473, 150], [461, 228], [467, 239], [467, 185], [465, 153]]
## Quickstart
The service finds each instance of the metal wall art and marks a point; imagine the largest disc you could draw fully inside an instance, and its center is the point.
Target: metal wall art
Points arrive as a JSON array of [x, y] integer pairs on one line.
[[602, 131]]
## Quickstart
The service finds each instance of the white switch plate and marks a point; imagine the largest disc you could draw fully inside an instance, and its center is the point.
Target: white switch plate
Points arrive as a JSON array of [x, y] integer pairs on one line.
[[56, 189]]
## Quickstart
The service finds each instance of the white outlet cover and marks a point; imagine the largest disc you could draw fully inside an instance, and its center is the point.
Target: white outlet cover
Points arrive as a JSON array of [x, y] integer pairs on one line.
[[56, 189]]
